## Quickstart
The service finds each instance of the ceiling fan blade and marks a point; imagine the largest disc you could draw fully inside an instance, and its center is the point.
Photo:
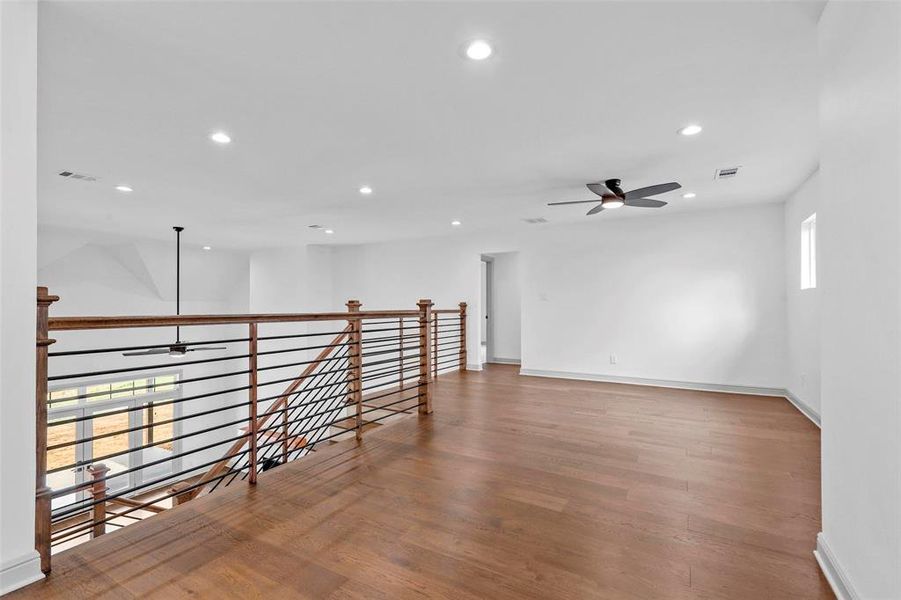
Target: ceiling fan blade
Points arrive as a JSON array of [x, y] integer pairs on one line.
[[595, 210], [202, 348], [147, 352], [645, 203], [571, 202], [598, 188], [652, 190]]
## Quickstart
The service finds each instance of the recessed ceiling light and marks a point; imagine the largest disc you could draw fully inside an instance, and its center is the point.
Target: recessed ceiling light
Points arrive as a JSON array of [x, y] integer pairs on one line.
[[365, 190], [207, 248], [124, 188], [478, 50], [329, 231], [691, 130], [689, 195], [220, 137], [456, 223]]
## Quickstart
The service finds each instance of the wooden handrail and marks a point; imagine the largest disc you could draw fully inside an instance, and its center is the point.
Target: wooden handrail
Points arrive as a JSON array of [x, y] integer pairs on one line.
[[280, 403], [271, 428], [119, 322]]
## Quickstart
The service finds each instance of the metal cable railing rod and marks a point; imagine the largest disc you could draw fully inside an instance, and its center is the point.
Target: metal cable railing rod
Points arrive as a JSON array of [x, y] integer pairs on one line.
[[143, 506], [138, 428], [56, 493], [152, 386], [393, 359], [148, 347], [454, 360], [375, 374], [391, 351], [380, 373], [300, 414], [122, 493], [294, 408], [302, 348], [157, 443], [305, 413], [167, 365], [375, 408], [183, 363], [155, 403], [298, 335], [383, 417]]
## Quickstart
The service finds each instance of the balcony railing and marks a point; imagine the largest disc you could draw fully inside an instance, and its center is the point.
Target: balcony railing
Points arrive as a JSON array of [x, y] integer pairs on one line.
[[132, 420]]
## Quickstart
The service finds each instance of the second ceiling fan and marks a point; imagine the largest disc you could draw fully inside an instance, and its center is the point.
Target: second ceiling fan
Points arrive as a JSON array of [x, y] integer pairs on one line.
[[612, 196], [179, 348]]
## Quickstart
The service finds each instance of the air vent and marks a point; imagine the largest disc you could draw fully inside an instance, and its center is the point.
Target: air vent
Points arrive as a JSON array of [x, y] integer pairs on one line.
[[78, 176], [315, 226], [535, 220], [726, 173]]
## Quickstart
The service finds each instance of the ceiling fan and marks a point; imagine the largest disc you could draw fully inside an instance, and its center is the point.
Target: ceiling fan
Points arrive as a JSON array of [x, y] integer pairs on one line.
[[179, 348], [612, 196]]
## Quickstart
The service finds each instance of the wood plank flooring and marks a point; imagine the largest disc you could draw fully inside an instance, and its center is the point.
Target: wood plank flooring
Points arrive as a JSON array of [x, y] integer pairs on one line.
[[516, 487]]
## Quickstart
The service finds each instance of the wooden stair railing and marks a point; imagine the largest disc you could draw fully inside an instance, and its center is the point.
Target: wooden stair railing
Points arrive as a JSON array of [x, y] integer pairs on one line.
[[377, 366], [261, 422]]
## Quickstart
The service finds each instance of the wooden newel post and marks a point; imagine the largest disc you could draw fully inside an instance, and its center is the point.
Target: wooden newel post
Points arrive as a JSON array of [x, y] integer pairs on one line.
[[42, 492], [252, 392], [425, 356], [462, 336], [98, 493], [355, 373]]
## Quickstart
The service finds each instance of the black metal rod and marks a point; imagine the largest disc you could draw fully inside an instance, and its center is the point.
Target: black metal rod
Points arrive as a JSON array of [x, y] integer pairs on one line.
[[141, 507], [86, 484], [120, 494], [148, 347]]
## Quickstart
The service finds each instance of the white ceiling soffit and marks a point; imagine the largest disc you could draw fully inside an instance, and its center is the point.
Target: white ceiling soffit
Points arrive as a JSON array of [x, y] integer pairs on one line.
[[322, 98]]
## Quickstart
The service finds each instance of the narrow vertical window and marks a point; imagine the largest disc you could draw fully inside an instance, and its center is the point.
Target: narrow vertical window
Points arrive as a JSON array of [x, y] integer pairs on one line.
[[809, 252]]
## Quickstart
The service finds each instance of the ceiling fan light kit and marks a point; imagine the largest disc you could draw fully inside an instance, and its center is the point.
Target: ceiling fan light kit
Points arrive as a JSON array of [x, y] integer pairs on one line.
[[613, 196]]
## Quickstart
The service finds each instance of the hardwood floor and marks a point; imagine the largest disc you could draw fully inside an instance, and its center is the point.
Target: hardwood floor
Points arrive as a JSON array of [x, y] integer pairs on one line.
[[516, 487]]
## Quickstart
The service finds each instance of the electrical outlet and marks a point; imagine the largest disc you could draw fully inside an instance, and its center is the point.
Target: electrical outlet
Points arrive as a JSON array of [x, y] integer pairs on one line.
[[613, 359]]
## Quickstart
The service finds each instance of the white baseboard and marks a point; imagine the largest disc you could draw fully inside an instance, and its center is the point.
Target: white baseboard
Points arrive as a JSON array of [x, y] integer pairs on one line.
[[19, 572], [832, 570], [473, 366], [503, 361], [685, 385], [805, 409]]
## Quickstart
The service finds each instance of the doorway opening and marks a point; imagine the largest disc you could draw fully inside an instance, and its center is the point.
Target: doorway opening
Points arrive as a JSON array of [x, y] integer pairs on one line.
[[500, 309]]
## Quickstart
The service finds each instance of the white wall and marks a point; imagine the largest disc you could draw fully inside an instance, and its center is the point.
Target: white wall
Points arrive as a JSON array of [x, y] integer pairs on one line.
[[395, 275], [18, 218], [691, 298], [859, 231], [803, 306], [696, 298], [505, 312]]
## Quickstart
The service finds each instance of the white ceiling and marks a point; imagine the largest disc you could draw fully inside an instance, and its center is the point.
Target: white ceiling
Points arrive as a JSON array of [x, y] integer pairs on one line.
[[321, 98]]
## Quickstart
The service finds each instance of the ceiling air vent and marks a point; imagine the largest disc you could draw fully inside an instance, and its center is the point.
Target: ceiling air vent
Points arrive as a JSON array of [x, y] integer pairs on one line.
[[726, 173], [79, 176], [535, 220], [315, 226]]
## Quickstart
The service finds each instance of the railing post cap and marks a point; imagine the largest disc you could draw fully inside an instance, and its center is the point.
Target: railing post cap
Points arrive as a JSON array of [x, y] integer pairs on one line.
[[44, 297], [462, 306], [424, 302], [353, 305], [98, 469]]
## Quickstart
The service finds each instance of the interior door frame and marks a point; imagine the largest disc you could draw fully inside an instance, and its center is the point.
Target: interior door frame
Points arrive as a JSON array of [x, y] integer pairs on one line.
[[488, 310]]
